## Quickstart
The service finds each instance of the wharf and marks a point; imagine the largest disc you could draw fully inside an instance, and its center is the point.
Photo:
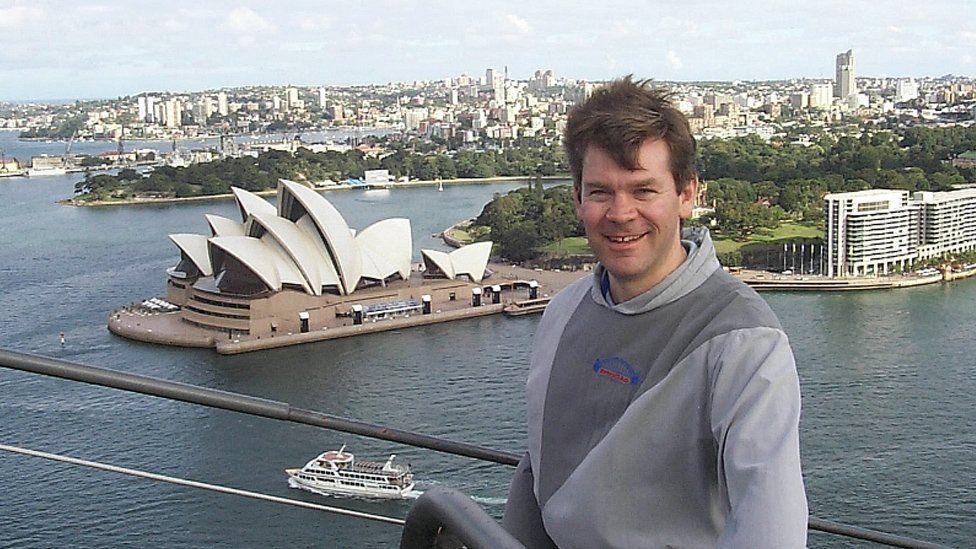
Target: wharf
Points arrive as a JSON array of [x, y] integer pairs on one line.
[[231, 347], [766, 281]]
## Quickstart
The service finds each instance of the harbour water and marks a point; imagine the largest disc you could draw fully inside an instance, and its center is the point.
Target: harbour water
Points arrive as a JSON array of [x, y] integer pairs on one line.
[[887, 380]]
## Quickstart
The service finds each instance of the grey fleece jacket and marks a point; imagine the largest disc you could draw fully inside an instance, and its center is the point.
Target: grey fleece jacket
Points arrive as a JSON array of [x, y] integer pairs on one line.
[[669, 420]]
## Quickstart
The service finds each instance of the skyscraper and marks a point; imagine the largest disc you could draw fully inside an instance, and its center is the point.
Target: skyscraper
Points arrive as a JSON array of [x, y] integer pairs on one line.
[[844, 82], [222, 107]]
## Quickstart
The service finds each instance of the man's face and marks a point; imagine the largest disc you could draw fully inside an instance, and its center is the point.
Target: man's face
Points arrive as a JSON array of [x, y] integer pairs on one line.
[[633, 217]]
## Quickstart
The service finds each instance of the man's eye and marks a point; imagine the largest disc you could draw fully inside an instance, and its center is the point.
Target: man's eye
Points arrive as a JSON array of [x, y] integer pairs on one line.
[[644, 191]]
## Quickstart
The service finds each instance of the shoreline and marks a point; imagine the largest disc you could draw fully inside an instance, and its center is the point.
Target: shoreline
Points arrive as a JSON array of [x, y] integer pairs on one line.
[[768, 281], [333, 129], [775, 282], [269, 192]]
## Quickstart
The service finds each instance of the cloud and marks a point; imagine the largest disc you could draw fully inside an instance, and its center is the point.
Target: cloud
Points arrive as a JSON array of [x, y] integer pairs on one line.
[[18, 16], [247, 21], [674, 61], [316, 22], [298, 47], [519, 25]]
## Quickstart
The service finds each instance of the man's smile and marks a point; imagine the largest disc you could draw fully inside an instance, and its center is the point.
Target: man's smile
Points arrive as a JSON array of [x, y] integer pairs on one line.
[[624, 239]]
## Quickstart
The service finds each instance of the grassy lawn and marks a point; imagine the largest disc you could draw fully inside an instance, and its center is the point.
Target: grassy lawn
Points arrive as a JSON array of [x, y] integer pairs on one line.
[[461, 235], [784, 231], [572, 245]]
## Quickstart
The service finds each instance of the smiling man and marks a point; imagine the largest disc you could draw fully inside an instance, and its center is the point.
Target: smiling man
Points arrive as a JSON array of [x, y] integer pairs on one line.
[[663, 400]]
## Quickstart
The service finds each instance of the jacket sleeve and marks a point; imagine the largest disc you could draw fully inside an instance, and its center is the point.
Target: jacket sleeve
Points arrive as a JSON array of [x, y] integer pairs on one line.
[[523, 518], [755, 414]]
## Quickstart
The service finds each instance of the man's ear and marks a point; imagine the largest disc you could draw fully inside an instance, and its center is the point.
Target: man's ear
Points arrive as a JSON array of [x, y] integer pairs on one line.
[[686, 198]]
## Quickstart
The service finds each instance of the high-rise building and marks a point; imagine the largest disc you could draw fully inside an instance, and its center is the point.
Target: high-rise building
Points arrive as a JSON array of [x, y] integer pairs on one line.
[[323, 101], [291, 99], [413, 117], [143, 111], [202, 110], [173, 113], [906, 90], [844, 83], [821, 96], [146, 105], [222, 107]]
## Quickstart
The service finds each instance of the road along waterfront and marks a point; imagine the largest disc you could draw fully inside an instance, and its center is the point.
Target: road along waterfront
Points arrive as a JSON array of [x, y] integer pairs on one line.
[[886, 378]]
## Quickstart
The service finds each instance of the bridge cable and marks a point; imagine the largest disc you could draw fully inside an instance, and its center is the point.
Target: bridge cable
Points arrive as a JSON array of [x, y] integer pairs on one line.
[[201, 485]]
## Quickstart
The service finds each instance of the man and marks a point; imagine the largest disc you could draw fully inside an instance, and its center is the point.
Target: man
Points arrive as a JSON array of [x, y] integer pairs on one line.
[[663, 400]]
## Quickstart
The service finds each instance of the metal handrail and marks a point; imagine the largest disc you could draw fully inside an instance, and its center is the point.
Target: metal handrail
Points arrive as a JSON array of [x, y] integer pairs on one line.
[[444, 511], [273, 409]]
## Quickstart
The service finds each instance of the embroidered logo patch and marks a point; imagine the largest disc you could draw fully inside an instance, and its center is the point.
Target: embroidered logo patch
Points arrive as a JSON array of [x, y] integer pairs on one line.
[[617, 369]]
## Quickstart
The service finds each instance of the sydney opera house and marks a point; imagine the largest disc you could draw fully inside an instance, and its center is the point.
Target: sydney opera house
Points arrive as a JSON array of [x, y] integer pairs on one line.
[[299, 268]]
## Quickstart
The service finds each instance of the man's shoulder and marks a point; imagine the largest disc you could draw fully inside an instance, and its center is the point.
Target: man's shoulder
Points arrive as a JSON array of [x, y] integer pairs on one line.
[[719, 307], [730, 303], [565, 301]]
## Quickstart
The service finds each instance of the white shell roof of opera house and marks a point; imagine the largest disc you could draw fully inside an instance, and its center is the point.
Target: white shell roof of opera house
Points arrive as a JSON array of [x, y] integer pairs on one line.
[[305, 242]]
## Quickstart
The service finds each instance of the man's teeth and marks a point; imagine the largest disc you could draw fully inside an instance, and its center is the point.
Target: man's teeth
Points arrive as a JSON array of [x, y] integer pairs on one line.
[[624, 238]]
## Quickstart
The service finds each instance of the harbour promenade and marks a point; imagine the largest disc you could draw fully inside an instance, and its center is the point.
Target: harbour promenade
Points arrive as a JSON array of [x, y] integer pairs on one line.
[[767, 281]]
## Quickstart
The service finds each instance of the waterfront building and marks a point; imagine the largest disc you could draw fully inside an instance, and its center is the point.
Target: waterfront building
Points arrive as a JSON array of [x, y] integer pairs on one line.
[[844, 82], [869, 232], [299, 267], [173, 113], [876, 231], [948, 221]]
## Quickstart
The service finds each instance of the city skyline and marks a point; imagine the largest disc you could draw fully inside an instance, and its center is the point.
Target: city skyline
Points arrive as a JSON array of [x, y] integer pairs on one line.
[[62, 50]]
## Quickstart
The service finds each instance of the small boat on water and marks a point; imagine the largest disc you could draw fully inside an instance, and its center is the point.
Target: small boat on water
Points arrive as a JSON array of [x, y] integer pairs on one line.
[[338, 473]]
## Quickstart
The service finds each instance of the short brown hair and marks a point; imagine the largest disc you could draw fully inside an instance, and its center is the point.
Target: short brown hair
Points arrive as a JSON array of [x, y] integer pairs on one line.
[[618, 118]]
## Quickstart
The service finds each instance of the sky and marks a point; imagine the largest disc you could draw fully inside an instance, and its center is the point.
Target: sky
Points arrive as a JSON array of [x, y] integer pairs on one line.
[[91, 49]]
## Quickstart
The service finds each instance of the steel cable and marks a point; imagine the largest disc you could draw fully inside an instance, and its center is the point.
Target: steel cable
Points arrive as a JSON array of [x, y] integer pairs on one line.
[[201, 485]]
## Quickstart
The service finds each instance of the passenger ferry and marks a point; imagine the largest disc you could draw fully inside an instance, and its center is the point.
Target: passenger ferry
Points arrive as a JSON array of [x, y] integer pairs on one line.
[[338, 473]]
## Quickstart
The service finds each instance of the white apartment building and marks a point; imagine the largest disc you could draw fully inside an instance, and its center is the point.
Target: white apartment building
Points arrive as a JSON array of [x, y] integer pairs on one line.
[[222, 106], [948, 221], [869, 232], [872, 232]]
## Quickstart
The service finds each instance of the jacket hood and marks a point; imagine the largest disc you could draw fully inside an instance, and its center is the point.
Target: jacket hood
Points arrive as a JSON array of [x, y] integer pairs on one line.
[[696, 268]]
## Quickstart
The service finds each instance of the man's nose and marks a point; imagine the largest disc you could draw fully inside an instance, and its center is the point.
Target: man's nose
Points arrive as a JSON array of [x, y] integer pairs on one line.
[[621, 208]]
